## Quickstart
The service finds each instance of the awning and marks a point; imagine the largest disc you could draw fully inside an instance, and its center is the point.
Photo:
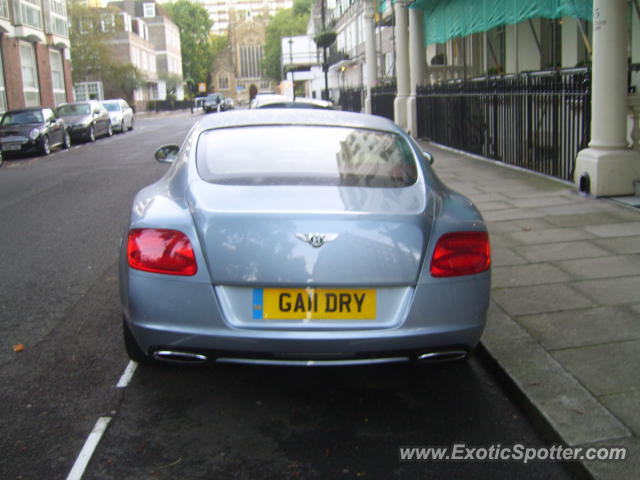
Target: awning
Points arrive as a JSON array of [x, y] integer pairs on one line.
[[446, 19]]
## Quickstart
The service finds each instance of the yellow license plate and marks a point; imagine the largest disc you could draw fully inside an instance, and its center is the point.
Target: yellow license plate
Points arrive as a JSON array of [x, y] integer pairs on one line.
[[313, 304]]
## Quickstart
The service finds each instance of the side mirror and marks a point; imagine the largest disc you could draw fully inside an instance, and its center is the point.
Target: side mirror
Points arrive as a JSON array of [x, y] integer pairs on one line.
[[428, 157], [167, 153]]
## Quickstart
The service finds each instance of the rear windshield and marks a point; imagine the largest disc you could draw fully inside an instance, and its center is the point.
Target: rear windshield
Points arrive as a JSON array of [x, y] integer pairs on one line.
[[111, 107], [74, 109], [305, 155]]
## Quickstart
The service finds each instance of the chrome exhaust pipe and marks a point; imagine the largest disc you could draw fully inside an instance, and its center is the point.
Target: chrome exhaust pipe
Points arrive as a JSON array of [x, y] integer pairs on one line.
[[442, 356], [179, 357]]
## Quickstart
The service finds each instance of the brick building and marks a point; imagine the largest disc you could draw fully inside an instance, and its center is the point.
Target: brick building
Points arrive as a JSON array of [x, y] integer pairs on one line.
[[34, 54]]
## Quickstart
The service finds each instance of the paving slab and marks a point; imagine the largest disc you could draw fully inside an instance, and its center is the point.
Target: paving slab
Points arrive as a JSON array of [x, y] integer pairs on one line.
[[561, 251], [488, 197], [614, 291], [604, 369], [568, 406], [576, 209], [546, 200], [552, 235], [506, 256], [615, 229], [620, 245], [625, 406], [626, 469], [602, 267], [512, 214], [584, 219], [578, 328], [518, 225], [490, 206], [531, 274], [539, 299]]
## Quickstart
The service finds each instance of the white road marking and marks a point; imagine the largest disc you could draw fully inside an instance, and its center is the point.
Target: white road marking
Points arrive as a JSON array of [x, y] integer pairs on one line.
[[89, 447], [127, 374]]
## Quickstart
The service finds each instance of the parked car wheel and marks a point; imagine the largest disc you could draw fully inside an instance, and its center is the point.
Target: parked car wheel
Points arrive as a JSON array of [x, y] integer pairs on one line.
[[66, 141], [109, 130], [91, 136], [122, 126], [131, 126], [45, 145], [1, 158]]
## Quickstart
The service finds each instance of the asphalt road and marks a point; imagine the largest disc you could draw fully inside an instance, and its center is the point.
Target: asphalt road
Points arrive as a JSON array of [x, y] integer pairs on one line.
[[61, 220]]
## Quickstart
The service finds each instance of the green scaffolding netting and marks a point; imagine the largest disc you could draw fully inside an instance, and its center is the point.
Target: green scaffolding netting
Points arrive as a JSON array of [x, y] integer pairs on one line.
[[446, 19]]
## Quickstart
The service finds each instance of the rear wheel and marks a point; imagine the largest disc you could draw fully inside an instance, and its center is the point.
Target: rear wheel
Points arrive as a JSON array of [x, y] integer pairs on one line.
[[122, 126], [45, 145], [133, 349], [131, 126], [1, 158]]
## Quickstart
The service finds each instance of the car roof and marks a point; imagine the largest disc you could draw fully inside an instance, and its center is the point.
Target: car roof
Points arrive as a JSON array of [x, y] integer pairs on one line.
[[301, 102], [296, 116], [28, 109]]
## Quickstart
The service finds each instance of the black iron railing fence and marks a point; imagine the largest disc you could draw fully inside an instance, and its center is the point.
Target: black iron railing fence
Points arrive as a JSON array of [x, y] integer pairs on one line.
[[382, 101], [351, 99], [536, 120]]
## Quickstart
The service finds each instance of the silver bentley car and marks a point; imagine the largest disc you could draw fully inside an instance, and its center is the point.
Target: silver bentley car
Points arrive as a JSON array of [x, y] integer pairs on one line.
[[302, 237]]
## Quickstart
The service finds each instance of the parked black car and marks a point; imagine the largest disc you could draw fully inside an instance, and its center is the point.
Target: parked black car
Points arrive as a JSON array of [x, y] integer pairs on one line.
[[32, 130], [214, 102], [86, 120]]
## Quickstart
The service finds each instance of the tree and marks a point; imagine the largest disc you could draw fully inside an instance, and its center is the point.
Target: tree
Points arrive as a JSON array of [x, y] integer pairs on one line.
[[172, 81], [92, 55], [197, 53], [285, 23], [121, 80], [90, 51]]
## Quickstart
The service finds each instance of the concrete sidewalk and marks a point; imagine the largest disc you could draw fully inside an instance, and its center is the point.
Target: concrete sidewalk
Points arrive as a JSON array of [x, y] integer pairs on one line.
[[564, 321]]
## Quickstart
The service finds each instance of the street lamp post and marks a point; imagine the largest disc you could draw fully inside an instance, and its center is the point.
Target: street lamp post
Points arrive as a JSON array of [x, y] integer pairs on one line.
[[325, 67], [293, 83]]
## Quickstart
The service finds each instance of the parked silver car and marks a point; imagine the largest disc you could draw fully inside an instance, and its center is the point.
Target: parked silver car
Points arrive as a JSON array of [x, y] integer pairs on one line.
[[302, 237], [120, 114]]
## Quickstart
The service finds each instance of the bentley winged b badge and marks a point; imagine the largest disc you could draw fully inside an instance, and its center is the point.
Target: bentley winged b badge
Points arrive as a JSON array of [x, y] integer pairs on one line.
[[317, 240]]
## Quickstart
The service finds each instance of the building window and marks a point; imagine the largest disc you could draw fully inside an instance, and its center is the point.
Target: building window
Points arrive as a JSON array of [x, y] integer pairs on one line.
[[30, 13], [250, 60], [107, 22], [57, 78], [29, 74], [58, 16], [153, 91], [223, 82], [4, 8], [3, 93], [124, 22], [149, 9], [265, 85]]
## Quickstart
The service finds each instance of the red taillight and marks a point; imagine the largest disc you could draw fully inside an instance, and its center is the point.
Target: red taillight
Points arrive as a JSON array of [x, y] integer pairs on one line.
[[161, 251], [461, 253]]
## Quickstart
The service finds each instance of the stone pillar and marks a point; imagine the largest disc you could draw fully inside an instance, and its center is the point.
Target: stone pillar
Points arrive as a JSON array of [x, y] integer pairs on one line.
[[418, 68], [608, 167], [402, 64], [370, 53]]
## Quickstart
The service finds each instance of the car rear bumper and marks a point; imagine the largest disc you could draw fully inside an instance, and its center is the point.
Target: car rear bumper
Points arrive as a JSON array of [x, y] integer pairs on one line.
[[176, 316]]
